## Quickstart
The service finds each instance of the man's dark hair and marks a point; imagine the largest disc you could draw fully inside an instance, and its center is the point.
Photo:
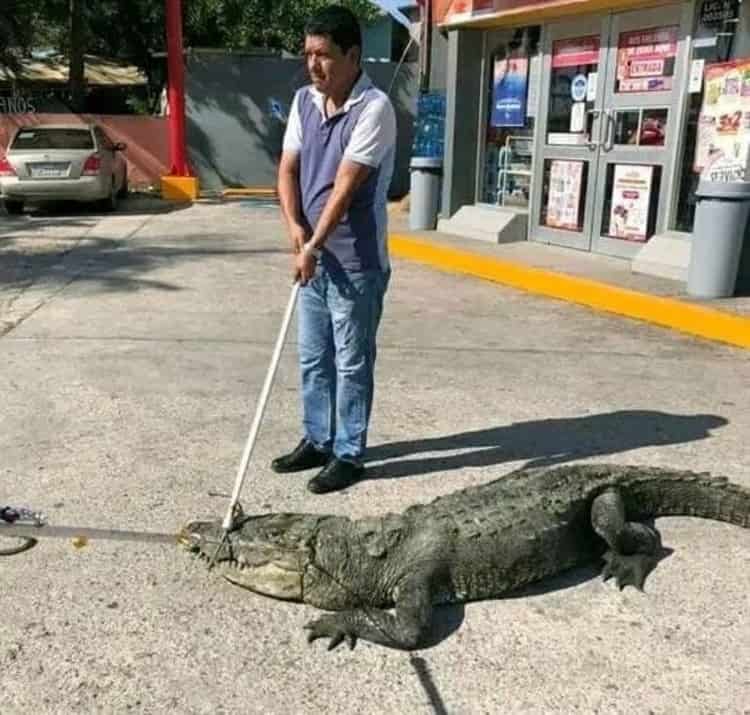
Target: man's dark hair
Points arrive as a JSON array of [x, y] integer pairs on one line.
[[338, 23]]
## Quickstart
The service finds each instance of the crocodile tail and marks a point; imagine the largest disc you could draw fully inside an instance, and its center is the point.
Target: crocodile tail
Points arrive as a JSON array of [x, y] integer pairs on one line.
[[691, 494]]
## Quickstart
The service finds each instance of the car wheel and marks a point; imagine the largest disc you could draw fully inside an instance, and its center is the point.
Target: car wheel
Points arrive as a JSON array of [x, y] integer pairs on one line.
[[123, 192], [13, 207]]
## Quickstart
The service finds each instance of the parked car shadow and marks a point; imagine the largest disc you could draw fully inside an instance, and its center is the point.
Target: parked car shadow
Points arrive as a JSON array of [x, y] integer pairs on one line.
[[117, 265], [132, 204], [542, 443]]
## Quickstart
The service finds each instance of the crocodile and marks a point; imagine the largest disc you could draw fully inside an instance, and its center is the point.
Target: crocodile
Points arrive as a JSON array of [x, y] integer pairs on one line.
[[381, 577]]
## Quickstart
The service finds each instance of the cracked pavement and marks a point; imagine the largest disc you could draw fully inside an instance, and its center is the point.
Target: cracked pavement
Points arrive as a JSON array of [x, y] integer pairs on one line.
[[134, 349]]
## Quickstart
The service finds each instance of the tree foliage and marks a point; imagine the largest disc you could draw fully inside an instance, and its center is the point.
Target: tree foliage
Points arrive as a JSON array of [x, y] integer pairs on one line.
[[275, 24], [132, 30], [22, 24]]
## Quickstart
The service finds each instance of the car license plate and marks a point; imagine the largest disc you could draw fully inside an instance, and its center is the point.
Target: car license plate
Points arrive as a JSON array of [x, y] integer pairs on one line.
[[48, 171]]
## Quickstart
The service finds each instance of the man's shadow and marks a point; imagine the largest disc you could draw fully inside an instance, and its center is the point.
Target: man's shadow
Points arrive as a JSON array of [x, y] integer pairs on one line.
[[542, 443]]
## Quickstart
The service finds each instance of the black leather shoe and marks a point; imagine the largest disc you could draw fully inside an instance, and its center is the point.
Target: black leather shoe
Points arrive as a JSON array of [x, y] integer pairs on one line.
[[303, 456], [336, 475]]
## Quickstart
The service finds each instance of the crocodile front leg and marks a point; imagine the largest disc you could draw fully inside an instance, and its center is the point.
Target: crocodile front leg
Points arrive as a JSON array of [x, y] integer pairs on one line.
[[404, 630], [633, 547]]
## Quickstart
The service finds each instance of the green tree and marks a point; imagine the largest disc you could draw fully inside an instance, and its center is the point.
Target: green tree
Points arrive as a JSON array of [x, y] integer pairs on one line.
[[274, 24], [133, 30], [17, 30]]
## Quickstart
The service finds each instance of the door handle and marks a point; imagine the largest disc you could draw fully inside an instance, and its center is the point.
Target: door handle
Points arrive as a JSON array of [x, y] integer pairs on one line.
[[609, 137], [594, 145]]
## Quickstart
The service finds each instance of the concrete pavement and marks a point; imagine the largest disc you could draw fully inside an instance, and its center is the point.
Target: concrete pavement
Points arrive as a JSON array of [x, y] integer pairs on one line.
[[133, 350], [600, 282]]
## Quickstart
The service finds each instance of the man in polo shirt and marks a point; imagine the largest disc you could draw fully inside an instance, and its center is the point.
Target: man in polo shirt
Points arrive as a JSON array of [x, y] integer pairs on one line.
[[335, 171]]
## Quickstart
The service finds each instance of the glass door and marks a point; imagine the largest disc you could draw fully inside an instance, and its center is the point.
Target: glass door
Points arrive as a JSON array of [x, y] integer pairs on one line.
[[641, 121], [612, 116], [570, 125]]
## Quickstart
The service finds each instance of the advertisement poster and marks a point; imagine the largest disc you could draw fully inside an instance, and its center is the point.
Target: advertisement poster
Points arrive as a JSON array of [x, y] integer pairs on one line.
[[576, 52], [645, 60], [511, 81], [724, 123], [564, 197], [631, 199]]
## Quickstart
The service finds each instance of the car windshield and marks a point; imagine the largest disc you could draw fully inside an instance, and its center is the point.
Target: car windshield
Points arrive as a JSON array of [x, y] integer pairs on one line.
[[41, 138]]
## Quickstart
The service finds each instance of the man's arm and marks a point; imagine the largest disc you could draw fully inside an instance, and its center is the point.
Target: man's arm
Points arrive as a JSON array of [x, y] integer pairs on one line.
[[291, 205], [372, 138], [350, 176], [288, 180]]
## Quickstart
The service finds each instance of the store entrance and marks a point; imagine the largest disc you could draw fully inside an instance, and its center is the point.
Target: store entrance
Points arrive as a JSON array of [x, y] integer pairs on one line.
[[609, 136]]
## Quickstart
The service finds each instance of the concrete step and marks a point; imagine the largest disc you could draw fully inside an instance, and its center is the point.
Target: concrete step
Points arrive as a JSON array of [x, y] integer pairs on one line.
[[496, 225], [666, 255]]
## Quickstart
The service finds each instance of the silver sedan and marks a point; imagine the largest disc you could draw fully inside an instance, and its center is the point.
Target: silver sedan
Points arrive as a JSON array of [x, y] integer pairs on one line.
[[62, 162]]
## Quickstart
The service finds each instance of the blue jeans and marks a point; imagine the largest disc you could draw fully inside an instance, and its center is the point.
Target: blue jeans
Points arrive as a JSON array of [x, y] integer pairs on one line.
[[338, 320]]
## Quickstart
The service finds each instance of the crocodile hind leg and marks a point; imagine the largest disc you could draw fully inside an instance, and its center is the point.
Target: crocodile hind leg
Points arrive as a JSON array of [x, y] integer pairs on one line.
[[633, 546]]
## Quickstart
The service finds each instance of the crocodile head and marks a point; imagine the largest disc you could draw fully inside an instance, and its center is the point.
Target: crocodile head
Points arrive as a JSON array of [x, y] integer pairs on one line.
[[267, 554]]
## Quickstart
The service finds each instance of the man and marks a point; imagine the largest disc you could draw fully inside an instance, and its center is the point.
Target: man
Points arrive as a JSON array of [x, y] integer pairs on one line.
[[335, 171]]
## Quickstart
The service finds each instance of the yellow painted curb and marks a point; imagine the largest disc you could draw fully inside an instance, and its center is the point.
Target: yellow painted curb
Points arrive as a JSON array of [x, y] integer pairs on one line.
[[249, 191], [678, 315], [179, 188]]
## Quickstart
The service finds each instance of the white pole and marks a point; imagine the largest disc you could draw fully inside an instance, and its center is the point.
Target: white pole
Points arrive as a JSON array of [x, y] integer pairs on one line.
[[242, 472]]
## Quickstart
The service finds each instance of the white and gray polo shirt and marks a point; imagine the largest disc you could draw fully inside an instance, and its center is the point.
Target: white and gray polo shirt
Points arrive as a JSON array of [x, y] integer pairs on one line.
[[363, 131]]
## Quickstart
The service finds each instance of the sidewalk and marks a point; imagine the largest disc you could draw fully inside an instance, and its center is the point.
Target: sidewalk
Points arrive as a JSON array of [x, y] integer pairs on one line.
[[600, 282]]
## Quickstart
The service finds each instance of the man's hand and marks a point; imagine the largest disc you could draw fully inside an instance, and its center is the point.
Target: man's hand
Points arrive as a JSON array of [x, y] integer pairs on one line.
[[298, 236], [304, 265]]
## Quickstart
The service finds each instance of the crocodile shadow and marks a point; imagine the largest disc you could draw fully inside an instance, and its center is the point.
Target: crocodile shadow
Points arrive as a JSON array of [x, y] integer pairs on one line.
[[447, 620]]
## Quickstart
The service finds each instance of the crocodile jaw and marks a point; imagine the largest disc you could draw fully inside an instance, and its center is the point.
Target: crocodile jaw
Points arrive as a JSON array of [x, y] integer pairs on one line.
[[266, 571], [249, 559]]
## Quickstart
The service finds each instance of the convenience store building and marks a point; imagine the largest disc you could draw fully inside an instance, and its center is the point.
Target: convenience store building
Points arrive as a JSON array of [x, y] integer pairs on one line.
[[582, 123]]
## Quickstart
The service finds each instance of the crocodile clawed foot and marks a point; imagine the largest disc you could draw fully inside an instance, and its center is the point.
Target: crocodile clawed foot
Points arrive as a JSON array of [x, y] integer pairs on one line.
[[333, 626], [628, 570]]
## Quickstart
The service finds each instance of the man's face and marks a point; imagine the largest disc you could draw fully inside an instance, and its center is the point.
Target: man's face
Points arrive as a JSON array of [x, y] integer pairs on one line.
[[331, 70]]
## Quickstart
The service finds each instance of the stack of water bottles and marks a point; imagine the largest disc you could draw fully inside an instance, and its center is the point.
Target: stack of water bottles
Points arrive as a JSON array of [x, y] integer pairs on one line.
[[429, 126]]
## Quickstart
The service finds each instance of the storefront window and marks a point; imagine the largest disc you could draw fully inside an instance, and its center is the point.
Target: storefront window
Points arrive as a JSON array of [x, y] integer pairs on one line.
[[722, 34], [515, 75], [572, 91], [640, 127]]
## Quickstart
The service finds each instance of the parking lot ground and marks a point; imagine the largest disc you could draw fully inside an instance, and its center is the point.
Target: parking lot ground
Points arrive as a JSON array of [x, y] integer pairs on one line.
[[133, 349]]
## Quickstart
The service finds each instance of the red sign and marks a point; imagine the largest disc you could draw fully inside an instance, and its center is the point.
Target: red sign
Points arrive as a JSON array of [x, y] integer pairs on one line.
[[653, 44], [645, 59], [576, 52]]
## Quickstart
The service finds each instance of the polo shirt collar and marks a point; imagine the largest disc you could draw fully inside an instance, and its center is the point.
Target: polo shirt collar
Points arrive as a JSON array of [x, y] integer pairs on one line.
[[355, 96]]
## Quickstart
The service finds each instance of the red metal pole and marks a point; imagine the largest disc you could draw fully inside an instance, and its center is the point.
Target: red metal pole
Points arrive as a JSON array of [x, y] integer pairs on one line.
[[176, 90]]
